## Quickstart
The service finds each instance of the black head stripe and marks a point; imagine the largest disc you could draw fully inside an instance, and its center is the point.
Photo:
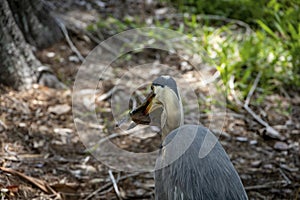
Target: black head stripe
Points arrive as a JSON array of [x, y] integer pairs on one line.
[[166, 81]]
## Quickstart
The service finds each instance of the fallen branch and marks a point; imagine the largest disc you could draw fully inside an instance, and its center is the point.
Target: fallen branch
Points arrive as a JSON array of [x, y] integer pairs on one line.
[[286, 178], [73, 27], [231, 87], [106, 95], [69, 41], [252, 89], [270, 130], [113, 180], [110, 184], [42, 185], [265, 186]]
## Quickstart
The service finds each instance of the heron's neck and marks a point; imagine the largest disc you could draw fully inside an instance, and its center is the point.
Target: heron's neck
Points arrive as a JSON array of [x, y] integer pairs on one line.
[[172, 117]]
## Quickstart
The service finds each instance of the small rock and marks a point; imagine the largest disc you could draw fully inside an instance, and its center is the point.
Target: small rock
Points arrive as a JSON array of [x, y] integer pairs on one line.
[[50, 54], [253, 142], [268, 166], [63, 131], [90, 169], [74, 59], [154, 71], [43, 129], [256, 163], [38, 144], [242, 139], [101, 4], [245, 177], [39, 165], [282, 146], [161, 11], [155, 129], [96, 181], [22, 125], [77, 173], [185, 66], [59, 109], [4, 190], [289, 123]]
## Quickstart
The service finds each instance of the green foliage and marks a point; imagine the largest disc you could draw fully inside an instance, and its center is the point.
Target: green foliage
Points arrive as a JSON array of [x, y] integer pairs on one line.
[[272, 46], [113, 25]]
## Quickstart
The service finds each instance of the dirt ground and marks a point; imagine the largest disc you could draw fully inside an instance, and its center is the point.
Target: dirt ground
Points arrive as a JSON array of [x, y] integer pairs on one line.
[[42, 156]]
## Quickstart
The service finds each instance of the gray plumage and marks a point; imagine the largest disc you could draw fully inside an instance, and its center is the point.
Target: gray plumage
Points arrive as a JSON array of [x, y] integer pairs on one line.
[[192, 178], [182, 171]]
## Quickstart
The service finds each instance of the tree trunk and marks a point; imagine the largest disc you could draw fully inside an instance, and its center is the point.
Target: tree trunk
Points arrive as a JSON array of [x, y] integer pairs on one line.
[[19, 67], [36, 22]]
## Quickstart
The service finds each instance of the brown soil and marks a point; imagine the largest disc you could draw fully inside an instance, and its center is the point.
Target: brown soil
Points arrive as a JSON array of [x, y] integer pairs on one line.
[[40, 142]]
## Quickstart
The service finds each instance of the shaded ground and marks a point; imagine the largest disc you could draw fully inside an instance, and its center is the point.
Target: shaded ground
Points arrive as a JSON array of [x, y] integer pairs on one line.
[[38, 138]]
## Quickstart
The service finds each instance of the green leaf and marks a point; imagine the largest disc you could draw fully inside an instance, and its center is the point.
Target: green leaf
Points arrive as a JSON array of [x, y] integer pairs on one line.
[[293, 31], [280, 29], [267, 29]]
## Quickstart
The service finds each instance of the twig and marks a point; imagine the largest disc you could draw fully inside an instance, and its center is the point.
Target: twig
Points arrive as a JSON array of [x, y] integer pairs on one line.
[[109, 184], [42, 185], [69, 41], [231, 114], [106, 95], [113, 180], [97, 191], [218, 133], [3, 124], [106, 191], [265, 186], [297, 193], [214, 77], [231, 86], [285, 167], [111, 136], [270, 130], [253, 88], [288, 181], [99, 41], [259, 195], [71, 26], [89, 125]]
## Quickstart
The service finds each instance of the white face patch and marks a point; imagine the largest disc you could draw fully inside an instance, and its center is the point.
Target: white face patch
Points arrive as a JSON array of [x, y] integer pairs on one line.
[[164, 94], [158, 90], [172, 114]]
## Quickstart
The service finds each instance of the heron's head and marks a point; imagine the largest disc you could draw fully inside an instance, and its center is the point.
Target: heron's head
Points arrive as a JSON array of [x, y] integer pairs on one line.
[[162, 107]]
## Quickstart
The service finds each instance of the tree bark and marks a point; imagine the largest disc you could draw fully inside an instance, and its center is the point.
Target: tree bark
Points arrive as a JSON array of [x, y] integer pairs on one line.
[[19, 67], [36, 22]]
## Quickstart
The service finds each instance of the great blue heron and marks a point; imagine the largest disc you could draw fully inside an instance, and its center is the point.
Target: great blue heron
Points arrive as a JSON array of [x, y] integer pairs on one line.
[[190, 177]]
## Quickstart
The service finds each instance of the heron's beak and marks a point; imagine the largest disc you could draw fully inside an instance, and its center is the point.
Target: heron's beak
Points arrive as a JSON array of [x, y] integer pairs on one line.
[[140, 115]]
